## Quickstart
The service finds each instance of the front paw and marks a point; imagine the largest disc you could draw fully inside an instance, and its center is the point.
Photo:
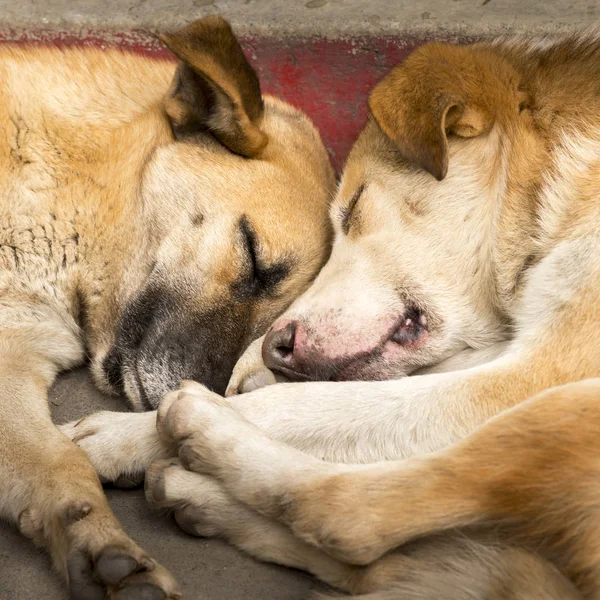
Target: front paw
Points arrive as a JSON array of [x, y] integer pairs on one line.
[[250, 380], [250, 372], [202, 424], [119, 445]]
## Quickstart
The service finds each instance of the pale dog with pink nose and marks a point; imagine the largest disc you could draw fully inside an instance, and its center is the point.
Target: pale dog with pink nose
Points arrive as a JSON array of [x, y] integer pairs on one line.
[[463, 249]]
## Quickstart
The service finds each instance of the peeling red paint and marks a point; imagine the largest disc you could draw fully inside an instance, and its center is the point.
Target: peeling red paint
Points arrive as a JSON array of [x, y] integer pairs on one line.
[[329, 79]]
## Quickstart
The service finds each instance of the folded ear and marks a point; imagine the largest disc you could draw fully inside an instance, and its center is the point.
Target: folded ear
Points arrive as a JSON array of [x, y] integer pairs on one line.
[[440, 90], [215, 88]]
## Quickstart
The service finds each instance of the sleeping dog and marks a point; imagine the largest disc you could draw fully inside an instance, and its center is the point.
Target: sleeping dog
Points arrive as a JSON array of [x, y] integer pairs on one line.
[[140, 227]]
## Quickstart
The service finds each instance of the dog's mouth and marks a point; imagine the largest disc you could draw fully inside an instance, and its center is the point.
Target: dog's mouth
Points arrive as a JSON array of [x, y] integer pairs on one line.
[[411, 328], [404, 339], [146, 374]]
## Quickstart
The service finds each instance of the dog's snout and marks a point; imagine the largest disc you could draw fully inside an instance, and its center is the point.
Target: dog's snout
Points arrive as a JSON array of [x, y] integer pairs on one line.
[[288, 351], [278, 347]]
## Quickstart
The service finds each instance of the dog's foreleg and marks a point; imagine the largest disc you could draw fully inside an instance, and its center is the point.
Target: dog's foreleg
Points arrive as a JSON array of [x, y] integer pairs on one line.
[[203, 508], [47, 485], [532, 467], [363, 422], [120, 446]]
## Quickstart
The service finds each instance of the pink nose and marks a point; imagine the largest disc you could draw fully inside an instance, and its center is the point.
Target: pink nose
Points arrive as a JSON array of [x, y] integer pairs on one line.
[[288, 350], [278, 349]]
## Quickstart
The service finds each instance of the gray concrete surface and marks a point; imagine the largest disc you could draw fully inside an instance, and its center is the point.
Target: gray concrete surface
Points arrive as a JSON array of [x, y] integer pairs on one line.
[[205, 569], [331, 18]]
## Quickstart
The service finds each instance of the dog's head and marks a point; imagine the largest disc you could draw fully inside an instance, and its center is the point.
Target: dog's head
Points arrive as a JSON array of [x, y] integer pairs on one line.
[[412, 278], [235, 214]]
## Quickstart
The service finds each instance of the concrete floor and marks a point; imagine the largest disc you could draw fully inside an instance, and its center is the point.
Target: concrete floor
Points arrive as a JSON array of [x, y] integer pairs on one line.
[[205, 569], [327, 18]]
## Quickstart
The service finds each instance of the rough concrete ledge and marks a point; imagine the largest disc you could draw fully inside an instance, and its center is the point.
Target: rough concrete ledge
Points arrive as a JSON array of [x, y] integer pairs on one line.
[[325, 18]]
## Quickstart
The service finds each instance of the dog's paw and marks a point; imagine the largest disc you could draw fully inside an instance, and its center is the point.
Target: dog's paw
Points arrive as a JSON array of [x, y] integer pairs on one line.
[[250, 380], [120, 446], [200, 505], [97, 557], [250, 372], [118, 573], [203, 425]]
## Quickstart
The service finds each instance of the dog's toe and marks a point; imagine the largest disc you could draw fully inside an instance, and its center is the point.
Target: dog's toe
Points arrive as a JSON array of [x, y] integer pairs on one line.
[[155, 485], [193, 521], [82, 584], [201, 507], [155, 584], [118, 573], [142, 591], [113, 566]]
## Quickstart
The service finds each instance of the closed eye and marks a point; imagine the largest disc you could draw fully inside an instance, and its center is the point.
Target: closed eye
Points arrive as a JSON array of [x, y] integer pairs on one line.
[[348, 212], [258, 278], [249, 238]]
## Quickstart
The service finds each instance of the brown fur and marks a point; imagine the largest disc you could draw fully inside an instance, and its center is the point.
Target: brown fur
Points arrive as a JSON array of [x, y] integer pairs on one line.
[[485, 476], [138, 216]]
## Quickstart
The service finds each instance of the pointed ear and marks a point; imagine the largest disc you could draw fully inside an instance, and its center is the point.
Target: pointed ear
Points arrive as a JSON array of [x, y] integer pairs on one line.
[[215, 88], [439, 90]]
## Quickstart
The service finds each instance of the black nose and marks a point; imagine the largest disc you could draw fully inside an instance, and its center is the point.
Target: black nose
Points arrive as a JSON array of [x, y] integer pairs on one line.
[[278, 349]]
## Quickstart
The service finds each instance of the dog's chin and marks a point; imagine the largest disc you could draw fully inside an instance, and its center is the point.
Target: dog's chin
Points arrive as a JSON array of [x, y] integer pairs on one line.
[[137, 396], [371, 370], [121, 377], [146, 384], [366, 368]]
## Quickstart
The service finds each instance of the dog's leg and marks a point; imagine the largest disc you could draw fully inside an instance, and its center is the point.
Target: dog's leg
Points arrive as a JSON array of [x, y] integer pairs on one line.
[[203, 508], [532, 468], [457, 567], [120, 446], [454, 566], [47, 485]]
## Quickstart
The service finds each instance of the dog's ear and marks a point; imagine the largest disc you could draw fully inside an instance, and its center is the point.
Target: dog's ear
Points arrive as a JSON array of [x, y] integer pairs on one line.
[[439, 90], [215, 88]]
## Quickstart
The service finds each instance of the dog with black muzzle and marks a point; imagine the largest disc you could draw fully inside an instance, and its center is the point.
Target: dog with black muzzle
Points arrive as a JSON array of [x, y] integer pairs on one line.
[[153, 220], [466, 255]]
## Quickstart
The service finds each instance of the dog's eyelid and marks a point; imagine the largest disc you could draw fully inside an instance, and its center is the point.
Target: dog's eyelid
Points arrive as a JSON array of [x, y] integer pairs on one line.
[[250, 242], [347, 212], [262, 278]]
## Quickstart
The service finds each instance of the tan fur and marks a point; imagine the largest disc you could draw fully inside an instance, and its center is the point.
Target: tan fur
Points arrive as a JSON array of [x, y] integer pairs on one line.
[[124, 237], [466, 254]]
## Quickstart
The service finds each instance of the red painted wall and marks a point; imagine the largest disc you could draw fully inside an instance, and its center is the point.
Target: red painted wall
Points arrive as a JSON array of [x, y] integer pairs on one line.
[[329, 79]]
